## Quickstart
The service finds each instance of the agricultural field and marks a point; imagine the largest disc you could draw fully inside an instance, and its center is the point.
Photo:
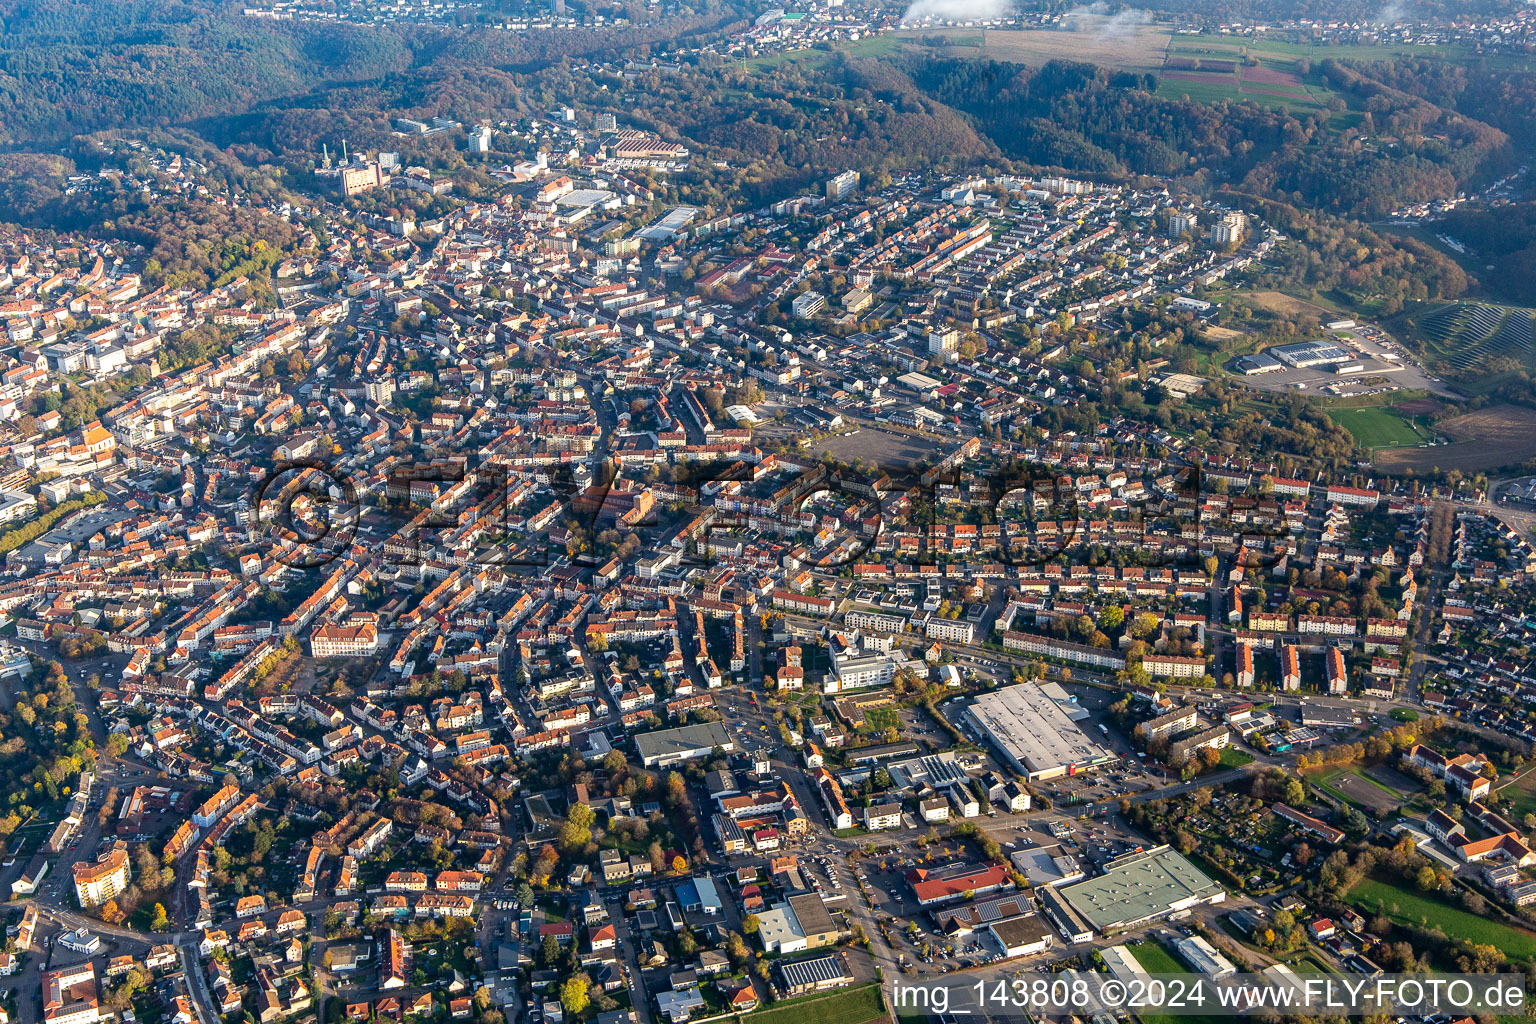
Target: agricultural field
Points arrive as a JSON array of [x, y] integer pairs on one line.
[[1500, 435], [1142, 49], [1148, 47], [1201, 76], [1279, 49], [1381, 426], [811, 57], [1409, 908]]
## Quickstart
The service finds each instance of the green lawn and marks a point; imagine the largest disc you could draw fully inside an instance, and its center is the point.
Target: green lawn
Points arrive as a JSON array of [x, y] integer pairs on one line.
[[1231, 757], [1159, 959], [1379, 427], [1521, 795], [1412, 907], [848, 1006], [1310, 965]]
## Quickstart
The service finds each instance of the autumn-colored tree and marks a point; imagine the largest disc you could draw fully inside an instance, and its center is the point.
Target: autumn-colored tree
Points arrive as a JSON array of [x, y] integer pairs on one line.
[[573, 994]]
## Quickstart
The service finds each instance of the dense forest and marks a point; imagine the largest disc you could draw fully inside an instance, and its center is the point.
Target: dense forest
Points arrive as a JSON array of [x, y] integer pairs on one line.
[[1503, 239], [69, 67], [1086, 118]]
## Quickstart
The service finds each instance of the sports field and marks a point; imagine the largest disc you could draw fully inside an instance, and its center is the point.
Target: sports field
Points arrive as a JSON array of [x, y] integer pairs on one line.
[[1379, 426]]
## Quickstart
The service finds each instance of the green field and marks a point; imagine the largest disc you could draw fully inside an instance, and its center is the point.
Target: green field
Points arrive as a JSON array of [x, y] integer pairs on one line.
[[1227, 46], [848, 1006], [1159, 959], [1521, 795], [1412, 907], [813, 57], [1221, 87], [1379, 426], [1231, 757], [1226, 87]]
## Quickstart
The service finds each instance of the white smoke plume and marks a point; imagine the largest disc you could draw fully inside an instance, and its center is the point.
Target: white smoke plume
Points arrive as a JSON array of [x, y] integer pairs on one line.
[[956, 10], [1393, 12], [1096, 20]]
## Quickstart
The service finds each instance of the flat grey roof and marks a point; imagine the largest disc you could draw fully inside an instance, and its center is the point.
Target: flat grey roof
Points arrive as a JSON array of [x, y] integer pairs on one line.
[[1034, 730], [1139, 887], [684, 740], [1017, 931]]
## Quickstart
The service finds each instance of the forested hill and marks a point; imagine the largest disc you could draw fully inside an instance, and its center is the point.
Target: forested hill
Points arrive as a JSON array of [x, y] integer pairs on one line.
[[70, 67], [1085, 118]]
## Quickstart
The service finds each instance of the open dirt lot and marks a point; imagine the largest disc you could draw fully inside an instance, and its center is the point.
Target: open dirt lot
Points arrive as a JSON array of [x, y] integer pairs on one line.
[[1500, 435], [1366, 793], [1393, 779], [1418, 407], [1281, 303], [891, 451], [1141, 49]]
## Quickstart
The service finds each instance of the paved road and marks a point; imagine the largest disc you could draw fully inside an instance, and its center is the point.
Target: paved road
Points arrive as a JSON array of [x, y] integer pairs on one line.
[[197, 982], [640, 999]]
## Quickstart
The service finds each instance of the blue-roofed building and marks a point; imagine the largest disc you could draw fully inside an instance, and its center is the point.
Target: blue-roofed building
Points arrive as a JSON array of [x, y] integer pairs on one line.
[[699, 894]]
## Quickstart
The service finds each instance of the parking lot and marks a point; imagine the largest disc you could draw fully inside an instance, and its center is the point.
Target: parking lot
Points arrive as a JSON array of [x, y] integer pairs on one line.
[[1379, 356]]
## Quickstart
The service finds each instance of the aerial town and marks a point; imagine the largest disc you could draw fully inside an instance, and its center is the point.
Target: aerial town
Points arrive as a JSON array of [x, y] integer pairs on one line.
[[565, 605]]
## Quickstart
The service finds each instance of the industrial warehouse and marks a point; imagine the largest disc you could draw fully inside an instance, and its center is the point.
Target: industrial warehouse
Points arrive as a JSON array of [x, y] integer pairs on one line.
[[1311, 353], [1034, 734]]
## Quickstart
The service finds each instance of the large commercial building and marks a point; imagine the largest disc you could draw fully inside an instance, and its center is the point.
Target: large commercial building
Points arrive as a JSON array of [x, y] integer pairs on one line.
[[1310, 353], [1034, 734], [1141, 887], [668, 746]]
